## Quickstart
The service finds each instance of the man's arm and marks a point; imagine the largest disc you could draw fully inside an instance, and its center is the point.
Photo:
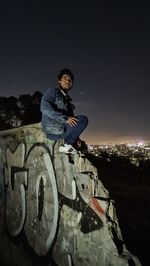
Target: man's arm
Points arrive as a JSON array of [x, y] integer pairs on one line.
[[47, 106]]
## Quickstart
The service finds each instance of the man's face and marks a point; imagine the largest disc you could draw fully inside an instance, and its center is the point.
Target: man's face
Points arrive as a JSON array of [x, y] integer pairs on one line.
[[66, 82]]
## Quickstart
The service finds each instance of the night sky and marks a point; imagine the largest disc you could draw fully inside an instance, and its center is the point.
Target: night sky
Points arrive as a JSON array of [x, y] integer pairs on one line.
[[106, 44]]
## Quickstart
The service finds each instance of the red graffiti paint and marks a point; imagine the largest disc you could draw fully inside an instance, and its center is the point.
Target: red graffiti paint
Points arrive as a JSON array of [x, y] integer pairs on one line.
[[97, 206]]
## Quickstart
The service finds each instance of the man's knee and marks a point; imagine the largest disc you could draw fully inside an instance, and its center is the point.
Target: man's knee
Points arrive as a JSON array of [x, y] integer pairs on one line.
[[83, 119]]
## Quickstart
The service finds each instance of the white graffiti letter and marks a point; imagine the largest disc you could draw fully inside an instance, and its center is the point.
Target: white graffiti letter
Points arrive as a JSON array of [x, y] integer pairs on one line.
[[15, 179], [42, 201]]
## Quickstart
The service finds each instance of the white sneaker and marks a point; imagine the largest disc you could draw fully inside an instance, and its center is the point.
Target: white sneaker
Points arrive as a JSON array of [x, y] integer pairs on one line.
[[67, 149]]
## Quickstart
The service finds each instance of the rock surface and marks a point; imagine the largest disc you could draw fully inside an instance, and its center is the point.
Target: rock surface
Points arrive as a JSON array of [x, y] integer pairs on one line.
[[54, 205]]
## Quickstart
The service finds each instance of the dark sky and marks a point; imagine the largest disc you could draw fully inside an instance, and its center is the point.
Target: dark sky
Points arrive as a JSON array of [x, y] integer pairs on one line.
[[106, 44]]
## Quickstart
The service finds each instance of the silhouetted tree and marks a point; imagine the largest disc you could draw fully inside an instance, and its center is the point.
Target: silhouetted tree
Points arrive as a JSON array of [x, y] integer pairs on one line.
[[30, 108], [3, 124], [9, 112], [37, 96], [22, 111]]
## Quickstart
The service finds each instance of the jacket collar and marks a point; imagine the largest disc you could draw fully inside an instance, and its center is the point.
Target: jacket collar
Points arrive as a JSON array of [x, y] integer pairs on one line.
[[66, 95]]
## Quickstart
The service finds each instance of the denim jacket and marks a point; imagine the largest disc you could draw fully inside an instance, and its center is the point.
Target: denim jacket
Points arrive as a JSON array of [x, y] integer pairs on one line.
[[55, 108]]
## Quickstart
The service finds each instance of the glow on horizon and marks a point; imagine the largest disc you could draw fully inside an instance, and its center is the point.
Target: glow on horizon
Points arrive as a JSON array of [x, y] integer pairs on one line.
[[115, 140]]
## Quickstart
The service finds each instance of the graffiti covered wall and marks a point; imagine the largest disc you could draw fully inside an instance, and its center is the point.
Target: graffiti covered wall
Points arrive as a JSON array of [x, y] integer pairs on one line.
[[54, 209]]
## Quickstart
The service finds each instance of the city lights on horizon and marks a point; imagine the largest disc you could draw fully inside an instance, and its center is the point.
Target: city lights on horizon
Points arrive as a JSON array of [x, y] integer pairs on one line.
[[101, 141], [126, 142]]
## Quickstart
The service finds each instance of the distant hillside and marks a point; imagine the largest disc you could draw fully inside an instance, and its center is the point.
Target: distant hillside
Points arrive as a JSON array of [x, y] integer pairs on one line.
[[129, 186]]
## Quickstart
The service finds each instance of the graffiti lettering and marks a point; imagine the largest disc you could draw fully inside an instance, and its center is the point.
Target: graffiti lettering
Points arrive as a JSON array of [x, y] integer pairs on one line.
[[31, 199]]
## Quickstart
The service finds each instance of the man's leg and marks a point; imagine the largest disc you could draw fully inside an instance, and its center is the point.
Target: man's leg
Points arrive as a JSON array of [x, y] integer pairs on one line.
[[72, 133]]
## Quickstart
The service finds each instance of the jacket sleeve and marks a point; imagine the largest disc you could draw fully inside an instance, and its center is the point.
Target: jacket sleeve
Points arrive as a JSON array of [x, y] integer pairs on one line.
[[48, 106]]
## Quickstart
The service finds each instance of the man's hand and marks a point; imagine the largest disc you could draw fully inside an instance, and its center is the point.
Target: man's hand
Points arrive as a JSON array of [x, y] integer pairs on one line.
[[72, 121]]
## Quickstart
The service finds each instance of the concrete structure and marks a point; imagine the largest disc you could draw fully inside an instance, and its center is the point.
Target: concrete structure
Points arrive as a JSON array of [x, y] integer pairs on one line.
[[54, 206]]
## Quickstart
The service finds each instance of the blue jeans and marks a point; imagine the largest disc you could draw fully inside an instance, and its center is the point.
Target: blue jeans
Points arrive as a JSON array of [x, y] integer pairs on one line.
[[72, 133]]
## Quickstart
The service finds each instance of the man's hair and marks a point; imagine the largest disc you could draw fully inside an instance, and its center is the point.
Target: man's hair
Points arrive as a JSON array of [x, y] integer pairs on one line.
[[65, 71]]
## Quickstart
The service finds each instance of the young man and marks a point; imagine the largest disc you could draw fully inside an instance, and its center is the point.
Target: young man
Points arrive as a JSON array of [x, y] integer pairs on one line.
[[58, 120]]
